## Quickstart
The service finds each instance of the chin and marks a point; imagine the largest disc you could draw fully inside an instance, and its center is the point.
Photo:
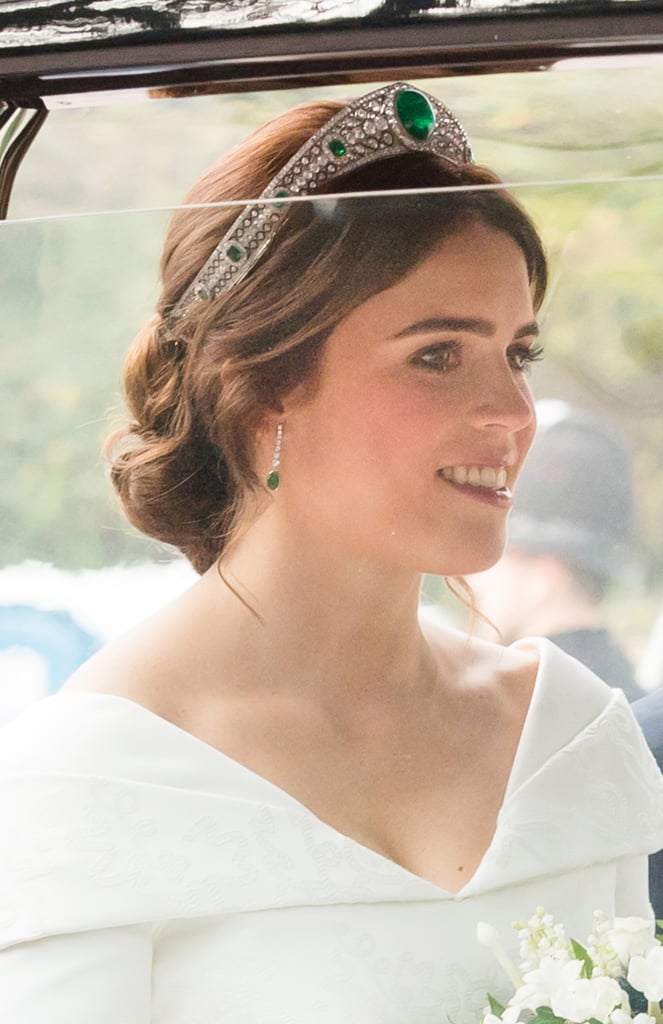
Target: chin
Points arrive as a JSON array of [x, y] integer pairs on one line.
[[469, 560]]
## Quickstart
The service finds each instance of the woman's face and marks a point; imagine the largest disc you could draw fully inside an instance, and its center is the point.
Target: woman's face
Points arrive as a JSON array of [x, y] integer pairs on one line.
[[422, 394]]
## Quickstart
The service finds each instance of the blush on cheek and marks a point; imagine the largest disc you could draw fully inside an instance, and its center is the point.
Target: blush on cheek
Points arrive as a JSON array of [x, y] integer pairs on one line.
[[396, 421]]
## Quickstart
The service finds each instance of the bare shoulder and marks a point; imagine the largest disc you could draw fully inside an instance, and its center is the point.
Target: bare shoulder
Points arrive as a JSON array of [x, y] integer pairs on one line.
[[479, 667], [149, 665]]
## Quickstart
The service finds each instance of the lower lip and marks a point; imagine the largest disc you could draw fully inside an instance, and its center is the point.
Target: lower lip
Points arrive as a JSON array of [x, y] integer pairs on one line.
[[501, 498]]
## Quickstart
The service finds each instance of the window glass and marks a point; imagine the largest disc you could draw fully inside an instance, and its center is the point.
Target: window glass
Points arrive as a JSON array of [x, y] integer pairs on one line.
[[76, 287], [583, 121]]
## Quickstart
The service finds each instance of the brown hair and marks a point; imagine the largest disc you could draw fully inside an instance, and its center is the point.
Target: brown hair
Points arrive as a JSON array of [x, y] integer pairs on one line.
[[184, 464]]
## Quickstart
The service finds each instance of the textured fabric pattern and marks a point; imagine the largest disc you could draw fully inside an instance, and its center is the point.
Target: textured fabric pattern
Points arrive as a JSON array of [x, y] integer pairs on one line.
[[149, 879]]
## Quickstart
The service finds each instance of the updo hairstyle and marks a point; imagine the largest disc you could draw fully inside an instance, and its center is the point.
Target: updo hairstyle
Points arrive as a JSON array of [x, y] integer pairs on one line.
[[197, 392]]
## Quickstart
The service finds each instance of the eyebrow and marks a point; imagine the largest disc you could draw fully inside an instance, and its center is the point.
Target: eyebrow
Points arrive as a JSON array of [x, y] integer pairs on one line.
[[473, 325]]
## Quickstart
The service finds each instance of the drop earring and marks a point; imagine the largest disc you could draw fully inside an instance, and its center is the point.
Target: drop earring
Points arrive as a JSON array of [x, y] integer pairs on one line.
[[273, 477]]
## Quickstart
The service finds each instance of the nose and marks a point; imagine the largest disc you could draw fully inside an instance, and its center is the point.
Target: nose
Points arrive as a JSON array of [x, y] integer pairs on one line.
[[504, 401]]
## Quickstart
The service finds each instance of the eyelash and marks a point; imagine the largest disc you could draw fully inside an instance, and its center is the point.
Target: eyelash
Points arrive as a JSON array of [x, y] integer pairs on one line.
[[521, 356], [527, 354], [441, 356]]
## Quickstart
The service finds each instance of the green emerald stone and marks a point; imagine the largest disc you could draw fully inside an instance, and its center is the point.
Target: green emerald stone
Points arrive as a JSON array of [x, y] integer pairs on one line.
[[281, 193], [337, 147], [234, 253], [415, 114], [273, 480]]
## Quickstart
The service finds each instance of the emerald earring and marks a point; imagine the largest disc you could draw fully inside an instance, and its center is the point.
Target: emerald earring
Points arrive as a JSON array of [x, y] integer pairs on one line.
[[273, 477]]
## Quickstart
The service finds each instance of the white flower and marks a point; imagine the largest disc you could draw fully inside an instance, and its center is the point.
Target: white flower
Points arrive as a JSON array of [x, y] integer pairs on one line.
[[539, 936], [623, 1017], [587, 998], [645, 973], [630, 936], [489, 937], [600, 950], [556, 983], [510, 1016], [554, 974]]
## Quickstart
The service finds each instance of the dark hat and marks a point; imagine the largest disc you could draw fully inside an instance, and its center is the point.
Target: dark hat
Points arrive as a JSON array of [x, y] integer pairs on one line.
[[574, 497]]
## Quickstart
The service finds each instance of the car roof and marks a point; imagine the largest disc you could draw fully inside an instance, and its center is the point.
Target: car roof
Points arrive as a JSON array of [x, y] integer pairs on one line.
[[55, 48]]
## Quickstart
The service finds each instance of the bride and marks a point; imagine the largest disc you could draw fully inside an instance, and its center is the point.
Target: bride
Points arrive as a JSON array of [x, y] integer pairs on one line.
[[279, 800]]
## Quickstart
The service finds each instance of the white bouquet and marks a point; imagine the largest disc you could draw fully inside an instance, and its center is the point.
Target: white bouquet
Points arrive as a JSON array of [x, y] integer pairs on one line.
[[615, 978]]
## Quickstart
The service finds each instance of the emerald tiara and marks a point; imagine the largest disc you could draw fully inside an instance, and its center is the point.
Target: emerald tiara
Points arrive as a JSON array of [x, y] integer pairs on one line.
[[390, 121]]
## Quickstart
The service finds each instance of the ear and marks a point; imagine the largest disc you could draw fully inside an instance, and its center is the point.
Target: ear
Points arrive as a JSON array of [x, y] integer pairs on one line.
[[269, 424]]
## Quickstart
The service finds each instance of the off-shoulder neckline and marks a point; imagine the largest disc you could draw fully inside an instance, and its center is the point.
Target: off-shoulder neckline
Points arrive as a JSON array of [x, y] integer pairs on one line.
[[285, 798]]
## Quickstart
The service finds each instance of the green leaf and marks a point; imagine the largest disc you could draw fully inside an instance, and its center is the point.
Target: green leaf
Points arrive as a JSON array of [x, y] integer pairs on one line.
[[495, 1006], [581, 953], [544, 1015]]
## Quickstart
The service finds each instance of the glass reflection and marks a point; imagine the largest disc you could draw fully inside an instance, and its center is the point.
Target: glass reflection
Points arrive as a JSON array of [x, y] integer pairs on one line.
[[295, 747], [75, 290]]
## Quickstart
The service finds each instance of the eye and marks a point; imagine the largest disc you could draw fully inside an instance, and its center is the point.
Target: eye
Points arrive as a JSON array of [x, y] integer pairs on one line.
[[521, 357], [442, 357]]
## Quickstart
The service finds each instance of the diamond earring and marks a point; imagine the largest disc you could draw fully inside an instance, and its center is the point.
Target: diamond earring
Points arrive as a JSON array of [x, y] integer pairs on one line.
[[273, 477]]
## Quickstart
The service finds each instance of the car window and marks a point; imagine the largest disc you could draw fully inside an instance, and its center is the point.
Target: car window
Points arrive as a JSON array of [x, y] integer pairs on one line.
[[583, 151], [584, 120]]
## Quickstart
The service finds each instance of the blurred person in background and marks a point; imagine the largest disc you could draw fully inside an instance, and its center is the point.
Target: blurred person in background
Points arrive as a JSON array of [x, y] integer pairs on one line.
[[649, 671], [649, 713], [570, 537]]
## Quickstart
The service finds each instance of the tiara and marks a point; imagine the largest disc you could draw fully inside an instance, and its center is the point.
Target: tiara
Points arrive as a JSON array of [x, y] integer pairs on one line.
[[388, 122]]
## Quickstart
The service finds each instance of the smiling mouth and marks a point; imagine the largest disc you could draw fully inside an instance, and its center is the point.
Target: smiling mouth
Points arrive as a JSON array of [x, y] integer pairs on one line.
[[491, 478], [485, 484]]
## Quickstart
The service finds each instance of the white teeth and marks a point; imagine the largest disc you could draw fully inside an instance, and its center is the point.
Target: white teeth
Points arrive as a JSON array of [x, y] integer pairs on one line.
[[476, 476], [495, 478]]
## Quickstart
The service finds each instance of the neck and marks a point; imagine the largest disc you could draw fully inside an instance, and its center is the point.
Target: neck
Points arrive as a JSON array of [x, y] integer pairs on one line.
[[315, 617]]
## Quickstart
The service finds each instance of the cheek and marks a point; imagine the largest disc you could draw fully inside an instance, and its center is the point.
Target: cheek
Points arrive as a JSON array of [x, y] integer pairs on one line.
[[375, 412], [394, 424]]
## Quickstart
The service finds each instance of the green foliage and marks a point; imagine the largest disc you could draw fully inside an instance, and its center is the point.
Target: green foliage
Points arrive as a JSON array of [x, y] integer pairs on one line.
[[544, 1015], [495, 1006], [67, 321], [580, 953]]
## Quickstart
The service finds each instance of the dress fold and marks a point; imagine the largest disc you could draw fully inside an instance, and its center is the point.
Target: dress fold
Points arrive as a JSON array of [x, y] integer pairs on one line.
[[118, 823]]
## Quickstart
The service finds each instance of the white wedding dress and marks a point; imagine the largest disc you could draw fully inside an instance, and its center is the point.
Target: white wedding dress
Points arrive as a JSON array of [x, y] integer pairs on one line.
[[147, 878]]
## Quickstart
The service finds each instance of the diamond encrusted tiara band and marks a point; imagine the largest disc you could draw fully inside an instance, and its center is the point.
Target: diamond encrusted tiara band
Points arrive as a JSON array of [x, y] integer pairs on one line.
[[388, 122]]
